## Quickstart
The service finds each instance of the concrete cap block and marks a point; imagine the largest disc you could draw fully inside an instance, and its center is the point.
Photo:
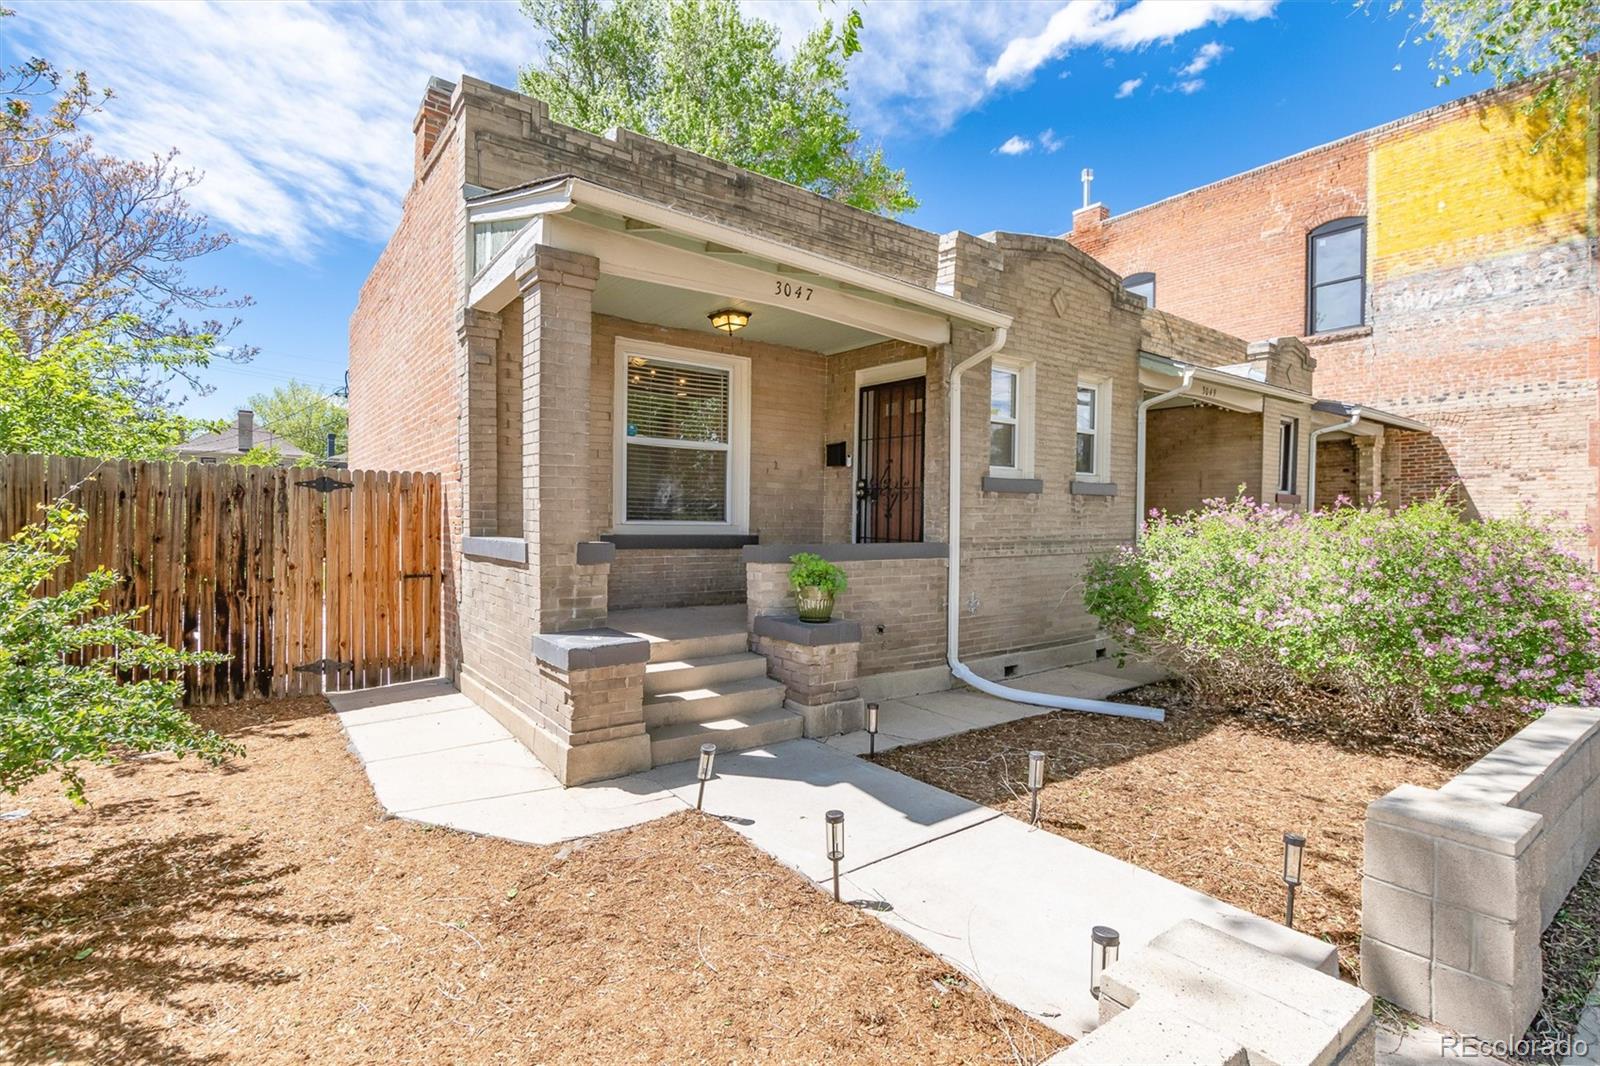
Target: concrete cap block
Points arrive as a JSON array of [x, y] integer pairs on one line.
[[1474, 822], [1156, 1037], [587, 649], [1344, 1007], [1510, 772], [788, 627]]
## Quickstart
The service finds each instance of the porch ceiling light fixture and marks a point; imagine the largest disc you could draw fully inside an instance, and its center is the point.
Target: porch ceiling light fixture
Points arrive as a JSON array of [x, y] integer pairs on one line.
[[729, 320]]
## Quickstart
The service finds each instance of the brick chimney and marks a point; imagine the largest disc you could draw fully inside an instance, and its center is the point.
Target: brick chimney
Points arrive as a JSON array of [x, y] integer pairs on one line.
[[1086, 220], [431, 119], [247, 430]]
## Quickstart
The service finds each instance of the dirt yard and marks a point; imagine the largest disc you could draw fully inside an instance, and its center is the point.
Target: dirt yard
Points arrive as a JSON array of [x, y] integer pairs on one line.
[[1203, 799], [268, 913]]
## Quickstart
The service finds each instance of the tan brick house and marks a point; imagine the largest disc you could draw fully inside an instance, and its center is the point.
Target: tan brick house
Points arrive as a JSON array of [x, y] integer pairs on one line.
[[1434, 266], [650, 377]]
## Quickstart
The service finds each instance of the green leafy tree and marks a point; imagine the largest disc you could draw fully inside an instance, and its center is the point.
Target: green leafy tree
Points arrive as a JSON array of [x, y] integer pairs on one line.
[[79, 685], [702, 75], [1555, 43], [81, 396], [303, 415]]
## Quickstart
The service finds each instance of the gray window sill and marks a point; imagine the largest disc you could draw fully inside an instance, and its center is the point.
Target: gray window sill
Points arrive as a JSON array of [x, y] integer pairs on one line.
[[500, 549], [1027, 486], [701, 541], [1094, 488], [1287, 499], [1333, 336]]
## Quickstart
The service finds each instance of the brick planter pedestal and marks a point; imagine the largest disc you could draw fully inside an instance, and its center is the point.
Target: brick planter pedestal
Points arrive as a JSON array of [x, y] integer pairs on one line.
[[590, 705], [817, 663]]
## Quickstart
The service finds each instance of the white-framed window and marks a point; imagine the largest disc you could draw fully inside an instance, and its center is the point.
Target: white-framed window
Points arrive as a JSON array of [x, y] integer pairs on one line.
[[681, 460], [1288, 455], [1091, 452], [488, 238], [1010, 418]]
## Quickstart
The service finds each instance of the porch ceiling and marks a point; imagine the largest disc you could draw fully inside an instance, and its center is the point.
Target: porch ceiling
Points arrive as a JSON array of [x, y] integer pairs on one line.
[[666, 305]]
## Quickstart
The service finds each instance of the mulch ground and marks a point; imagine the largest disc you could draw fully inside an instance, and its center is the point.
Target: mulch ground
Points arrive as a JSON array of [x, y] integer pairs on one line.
[[1202, 799], [267, 912]]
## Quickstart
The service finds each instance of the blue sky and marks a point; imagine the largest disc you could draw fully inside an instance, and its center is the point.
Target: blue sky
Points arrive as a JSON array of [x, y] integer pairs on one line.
[[300, 113]]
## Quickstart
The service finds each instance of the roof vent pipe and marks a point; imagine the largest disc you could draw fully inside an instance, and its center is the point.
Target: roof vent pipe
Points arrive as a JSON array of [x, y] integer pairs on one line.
[[953, 579]]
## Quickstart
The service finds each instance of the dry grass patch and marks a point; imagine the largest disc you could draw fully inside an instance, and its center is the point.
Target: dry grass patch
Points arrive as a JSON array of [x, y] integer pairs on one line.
[[1203, 799], [269, 913]]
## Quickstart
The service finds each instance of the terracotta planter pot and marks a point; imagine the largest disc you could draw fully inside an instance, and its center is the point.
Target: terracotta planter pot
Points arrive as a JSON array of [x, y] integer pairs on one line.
[[814, 603]]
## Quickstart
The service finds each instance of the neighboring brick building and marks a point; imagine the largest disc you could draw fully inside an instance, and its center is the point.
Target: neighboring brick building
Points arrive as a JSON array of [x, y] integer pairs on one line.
[[1458, 285], [543, 329]]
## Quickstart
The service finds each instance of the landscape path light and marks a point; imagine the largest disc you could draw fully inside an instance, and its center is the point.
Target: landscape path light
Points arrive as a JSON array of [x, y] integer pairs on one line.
[[835, 831], [872, 730], [1105, 945], [1035, 782], [708, 755], [1294, 851]]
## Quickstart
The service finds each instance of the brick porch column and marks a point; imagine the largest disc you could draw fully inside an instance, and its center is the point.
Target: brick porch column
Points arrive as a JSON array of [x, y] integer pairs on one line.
[[557, 296], [477, 335], [1369, 467]]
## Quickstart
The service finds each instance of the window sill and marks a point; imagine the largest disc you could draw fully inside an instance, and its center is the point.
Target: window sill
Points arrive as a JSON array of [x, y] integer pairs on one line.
[[648, 541], [1094, 488], [1333, 336], [1287, 499], [1025, 486], [500, 549]]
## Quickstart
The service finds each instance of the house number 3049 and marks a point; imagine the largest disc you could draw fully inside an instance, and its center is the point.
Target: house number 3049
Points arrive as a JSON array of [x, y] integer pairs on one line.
[[790, 290]]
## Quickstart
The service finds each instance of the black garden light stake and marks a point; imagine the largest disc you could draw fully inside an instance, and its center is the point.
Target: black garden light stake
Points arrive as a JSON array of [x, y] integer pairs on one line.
[[1035, 782], [1105, 945], [1294, 850], [708, 755], [872, 730], [835, 831]]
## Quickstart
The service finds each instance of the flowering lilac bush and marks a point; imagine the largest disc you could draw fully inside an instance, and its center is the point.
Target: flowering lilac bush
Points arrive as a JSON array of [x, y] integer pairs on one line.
[[1399, 619]]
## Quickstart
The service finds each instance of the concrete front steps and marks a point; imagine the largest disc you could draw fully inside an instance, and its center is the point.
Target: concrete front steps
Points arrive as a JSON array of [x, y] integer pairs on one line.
[[703, 685]]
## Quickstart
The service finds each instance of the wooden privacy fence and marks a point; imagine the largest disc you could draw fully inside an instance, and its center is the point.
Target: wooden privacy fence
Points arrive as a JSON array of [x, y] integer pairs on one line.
[[312, 579]]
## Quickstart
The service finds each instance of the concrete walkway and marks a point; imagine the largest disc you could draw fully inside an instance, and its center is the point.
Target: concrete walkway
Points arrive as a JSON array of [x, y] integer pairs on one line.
[[1010, 905]]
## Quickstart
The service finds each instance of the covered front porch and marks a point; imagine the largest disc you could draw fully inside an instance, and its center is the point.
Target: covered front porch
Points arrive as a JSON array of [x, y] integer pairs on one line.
[[661, 411]]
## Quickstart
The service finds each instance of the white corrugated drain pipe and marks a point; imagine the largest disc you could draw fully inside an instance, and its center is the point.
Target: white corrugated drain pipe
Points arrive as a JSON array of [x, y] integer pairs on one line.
[[953, 582], [1311, 460]]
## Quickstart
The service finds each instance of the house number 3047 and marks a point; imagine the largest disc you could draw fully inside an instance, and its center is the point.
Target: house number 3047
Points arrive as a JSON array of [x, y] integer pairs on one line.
[[790, 290]]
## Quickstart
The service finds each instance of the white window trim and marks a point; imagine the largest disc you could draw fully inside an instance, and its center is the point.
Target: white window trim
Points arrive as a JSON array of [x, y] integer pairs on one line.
[[1024, 420], [1291, 428], [738, 499], [1102, 430]]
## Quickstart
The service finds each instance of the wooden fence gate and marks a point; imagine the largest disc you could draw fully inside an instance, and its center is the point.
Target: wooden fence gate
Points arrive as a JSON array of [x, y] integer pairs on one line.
[[311, 579]]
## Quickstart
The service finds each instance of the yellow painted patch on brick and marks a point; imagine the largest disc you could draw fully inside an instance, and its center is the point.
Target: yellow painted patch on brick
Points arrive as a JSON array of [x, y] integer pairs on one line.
[[1469, 188]]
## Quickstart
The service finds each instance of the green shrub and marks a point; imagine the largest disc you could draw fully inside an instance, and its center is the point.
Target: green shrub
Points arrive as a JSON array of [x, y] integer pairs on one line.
[[1412, 620], [78, 685], [807, 569]]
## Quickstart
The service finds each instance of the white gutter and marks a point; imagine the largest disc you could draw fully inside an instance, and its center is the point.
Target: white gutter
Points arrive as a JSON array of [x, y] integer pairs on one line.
[[1311, 468], [1139, 450], [953, 581]]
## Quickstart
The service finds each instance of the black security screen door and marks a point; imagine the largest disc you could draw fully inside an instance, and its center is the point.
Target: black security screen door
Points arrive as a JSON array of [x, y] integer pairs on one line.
[[889, 462]]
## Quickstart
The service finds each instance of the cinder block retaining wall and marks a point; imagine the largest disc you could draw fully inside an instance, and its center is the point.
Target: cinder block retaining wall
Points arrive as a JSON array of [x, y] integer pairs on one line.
[[1461, 881]]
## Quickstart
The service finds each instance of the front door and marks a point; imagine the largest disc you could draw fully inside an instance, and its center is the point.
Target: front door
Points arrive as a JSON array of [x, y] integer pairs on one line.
[[889, 461]]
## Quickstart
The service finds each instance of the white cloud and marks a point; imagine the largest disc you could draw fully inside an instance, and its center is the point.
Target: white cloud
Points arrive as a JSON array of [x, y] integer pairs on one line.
[[1127, 88], [1206, 57], [1191, 86], [299, 114], [1082, 23], [1049, 141], [1015, 144]]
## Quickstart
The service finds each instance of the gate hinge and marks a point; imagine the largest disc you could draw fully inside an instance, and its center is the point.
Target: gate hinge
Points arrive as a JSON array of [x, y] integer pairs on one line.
[[324, 483], [417, 576], [323, 666]]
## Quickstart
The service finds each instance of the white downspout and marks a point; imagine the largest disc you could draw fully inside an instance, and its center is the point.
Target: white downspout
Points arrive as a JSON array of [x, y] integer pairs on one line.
[[1311, 460], [1139, 450], [953, 581]]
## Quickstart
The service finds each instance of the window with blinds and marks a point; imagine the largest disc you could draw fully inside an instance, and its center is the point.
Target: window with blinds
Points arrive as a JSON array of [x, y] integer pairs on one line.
[[676, 460]]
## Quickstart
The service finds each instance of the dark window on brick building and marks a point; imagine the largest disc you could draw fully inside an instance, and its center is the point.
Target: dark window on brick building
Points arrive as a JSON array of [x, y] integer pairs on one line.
[[1142, 285], [1336, 275]]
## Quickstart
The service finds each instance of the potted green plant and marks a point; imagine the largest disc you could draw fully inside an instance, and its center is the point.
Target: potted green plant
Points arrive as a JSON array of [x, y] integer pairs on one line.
[[815, 582]]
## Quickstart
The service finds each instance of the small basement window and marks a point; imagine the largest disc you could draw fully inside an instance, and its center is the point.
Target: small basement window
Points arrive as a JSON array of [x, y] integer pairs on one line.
[[1336, 275], [1143, 284], [1010, 418], [1091, 455], [1288, 455]]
